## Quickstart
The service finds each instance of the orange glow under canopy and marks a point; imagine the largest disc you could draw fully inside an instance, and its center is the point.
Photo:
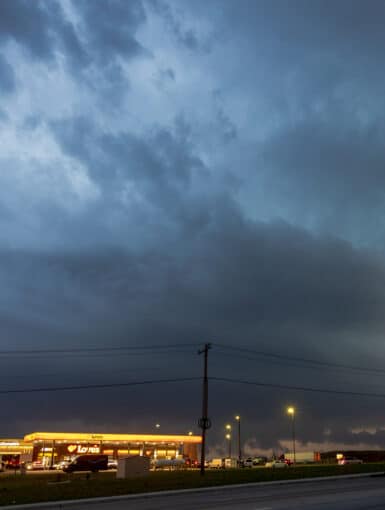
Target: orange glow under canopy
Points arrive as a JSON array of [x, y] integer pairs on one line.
[[14, 447], [129, 438]]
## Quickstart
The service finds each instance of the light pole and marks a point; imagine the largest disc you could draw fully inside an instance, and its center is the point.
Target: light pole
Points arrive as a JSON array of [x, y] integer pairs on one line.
[[238, 418], [228, 437], [291, 412]]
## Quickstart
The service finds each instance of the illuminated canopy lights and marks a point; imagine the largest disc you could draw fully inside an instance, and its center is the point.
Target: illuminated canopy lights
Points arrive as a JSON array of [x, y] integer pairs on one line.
[[144, 438]]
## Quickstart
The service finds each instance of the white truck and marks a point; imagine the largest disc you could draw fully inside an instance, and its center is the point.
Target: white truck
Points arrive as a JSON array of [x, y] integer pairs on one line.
[[230, 463], [302, 457]]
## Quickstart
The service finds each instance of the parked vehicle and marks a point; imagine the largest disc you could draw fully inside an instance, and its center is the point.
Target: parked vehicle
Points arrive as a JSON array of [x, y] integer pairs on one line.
[[169, 463], [61, 465], [10, 462], [92, 463], [112, 464], [34, 466], [230, 463], [276, 464], [216, 464], [194, 463], [302, 457], [248, 463], [349, 460], [254, 462]]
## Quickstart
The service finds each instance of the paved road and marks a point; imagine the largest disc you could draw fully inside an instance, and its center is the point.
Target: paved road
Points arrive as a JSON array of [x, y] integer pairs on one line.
[[348, 494]]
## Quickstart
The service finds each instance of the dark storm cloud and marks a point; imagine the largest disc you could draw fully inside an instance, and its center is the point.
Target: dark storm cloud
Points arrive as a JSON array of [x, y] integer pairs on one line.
[[301, 26], [332, 169], [40, 28], [157, 167], [186, 37], [7, 76], [314, 68], [238, 282], [110, 26], [285, 278], [159, 156], [106, 31], [28, 24], [228, 128]]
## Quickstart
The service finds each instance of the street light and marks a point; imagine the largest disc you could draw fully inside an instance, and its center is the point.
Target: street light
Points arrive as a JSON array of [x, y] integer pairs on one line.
[[291, 412], [157, 426], [228, 437], [190, 433], [238, 418]]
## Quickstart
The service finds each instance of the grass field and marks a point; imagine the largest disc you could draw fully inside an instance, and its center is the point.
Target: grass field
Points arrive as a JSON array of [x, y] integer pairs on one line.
[[31, 488]]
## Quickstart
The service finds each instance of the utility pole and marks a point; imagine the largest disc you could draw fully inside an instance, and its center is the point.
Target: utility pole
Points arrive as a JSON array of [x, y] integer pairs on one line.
[[204, 422]]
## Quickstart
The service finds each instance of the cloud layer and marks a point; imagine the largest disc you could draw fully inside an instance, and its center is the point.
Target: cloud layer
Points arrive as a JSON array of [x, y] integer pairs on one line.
[[175, 173]]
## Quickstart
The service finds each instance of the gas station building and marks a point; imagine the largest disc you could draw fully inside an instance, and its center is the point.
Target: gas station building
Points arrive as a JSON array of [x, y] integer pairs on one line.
[[53, 447]]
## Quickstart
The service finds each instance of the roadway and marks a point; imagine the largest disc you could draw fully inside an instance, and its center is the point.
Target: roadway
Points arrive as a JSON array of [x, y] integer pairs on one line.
[[344, 494]]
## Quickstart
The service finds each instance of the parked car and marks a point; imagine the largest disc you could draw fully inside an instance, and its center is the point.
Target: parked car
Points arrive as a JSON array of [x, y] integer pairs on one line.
[[11, 462], [92, 463], [61, 465], [276, 464], [349, 460], [112, 464], [34, 466], [169, 464], [248, 463], [254, 462]]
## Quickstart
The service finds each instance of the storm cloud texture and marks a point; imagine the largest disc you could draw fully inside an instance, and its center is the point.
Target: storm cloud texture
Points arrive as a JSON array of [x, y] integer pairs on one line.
[[174, 173]]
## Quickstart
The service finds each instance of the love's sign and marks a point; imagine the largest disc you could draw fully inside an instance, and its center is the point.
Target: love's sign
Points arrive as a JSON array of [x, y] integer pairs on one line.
[[78, 448]]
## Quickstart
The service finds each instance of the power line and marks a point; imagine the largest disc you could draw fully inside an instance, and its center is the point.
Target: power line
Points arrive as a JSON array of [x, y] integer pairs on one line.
[[94, 355], [102, 350], [279, 362], [298, 388], [178, 348], [98, 386], [290, 363], [300, 360], [189, 379]]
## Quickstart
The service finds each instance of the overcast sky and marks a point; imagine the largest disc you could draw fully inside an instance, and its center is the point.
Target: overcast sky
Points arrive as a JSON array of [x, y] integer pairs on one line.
[[178, 172]]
